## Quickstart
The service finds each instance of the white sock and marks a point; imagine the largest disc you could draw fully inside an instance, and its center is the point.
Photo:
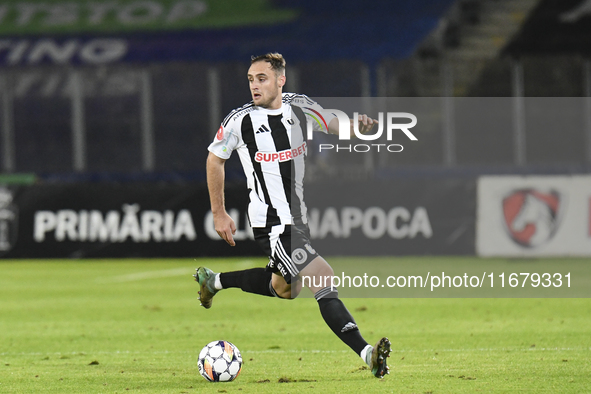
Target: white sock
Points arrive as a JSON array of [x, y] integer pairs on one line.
[[218, 283], [366, 354]]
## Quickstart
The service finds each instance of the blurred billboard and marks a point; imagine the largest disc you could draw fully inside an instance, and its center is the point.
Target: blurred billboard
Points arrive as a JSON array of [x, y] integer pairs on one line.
[[102, 32]]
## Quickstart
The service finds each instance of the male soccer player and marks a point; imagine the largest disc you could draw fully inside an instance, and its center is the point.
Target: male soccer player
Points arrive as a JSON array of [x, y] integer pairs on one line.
[[268, 135]]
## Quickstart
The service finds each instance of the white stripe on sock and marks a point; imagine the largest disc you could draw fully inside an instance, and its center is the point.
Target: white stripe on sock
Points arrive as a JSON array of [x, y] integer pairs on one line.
[[218, 282], [364, 354]]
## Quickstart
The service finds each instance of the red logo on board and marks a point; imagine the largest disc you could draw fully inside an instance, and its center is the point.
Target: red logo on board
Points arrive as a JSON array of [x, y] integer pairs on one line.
[[531, 216]]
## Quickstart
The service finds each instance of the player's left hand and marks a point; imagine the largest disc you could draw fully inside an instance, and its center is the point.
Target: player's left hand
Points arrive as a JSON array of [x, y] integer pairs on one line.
[[225, 227]]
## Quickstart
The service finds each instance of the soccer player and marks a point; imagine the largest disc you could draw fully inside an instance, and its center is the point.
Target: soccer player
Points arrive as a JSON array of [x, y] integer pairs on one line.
[[268, 136]]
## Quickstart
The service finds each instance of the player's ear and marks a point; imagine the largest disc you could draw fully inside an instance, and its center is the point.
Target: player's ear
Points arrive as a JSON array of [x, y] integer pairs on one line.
[[281, 81]]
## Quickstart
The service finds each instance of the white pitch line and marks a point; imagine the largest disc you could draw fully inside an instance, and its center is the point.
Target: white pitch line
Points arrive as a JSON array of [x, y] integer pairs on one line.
[[304, 351], [242, 264], [146, 275]]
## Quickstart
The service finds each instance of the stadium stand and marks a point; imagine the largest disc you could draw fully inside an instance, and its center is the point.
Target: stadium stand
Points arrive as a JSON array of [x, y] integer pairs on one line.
[[150, 113]]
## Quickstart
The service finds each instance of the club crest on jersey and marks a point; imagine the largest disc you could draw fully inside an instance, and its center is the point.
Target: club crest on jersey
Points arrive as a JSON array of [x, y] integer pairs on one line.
[[220, 134], [280, 156]]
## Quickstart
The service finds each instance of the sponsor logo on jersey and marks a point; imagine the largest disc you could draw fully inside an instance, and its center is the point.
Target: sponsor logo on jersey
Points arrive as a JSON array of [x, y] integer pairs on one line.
[[531, 216], [281, 156], [220, 134]]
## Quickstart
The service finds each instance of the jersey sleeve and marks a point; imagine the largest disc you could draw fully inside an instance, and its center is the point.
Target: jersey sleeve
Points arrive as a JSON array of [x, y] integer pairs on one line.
[[225, 141], [319, 117]]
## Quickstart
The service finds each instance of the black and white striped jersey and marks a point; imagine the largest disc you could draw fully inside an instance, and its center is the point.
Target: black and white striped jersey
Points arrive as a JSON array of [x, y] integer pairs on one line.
[[271, 145]]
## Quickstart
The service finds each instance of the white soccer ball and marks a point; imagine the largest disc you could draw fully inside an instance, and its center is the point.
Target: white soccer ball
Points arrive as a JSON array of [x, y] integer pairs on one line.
[[220, 361]]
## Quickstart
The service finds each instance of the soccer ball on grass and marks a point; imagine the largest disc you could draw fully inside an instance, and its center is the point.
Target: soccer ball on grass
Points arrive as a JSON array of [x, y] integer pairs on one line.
[[220, 361]]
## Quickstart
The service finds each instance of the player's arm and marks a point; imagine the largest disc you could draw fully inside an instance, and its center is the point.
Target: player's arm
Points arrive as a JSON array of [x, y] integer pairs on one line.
[[224, 224], [365, 125]]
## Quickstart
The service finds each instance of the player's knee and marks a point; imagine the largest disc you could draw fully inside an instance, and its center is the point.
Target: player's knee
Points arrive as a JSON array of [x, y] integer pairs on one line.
[[288, 292], [287, 295]]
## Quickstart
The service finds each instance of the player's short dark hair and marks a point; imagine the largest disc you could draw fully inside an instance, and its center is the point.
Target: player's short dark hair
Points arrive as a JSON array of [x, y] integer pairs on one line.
[[275, 59]]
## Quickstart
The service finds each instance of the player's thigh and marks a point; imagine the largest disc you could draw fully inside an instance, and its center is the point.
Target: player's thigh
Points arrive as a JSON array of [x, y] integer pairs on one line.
[[317, 275]]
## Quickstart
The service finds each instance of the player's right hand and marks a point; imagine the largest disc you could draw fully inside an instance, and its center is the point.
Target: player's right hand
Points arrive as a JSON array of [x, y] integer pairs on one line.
[[225, 227]]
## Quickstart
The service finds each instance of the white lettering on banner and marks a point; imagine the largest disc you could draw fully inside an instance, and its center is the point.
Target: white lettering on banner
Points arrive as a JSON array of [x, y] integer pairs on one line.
[[183, 10], [114, 226], [374, 222], [91, 13], [96, 51], [104, 230], [140, 12], [51, 84], [61, 14], [240, 235], [103, 50], [59, 54]]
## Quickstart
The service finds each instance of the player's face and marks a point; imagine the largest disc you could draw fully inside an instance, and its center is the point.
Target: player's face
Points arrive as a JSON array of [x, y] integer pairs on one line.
[[265, 85]]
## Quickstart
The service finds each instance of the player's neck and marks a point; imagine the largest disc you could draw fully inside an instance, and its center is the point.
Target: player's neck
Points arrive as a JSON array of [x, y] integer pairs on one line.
[[276, 103]]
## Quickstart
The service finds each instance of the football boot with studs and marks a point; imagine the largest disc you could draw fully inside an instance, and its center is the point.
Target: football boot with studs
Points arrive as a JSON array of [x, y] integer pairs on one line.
[[206, 279]]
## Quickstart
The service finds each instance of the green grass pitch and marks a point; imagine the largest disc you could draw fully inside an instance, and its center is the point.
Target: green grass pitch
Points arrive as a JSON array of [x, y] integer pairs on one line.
[[119, 326]]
